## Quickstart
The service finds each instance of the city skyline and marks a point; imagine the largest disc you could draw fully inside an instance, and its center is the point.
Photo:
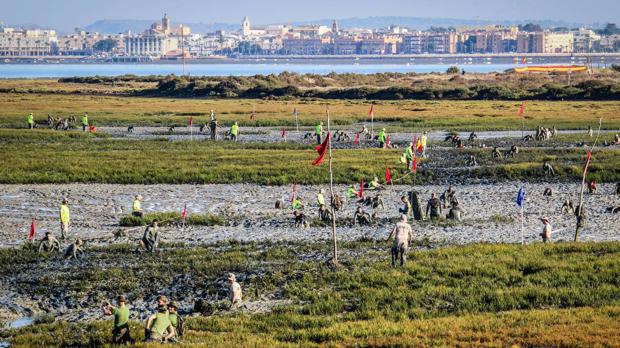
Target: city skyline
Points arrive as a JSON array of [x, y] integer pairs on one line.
[[67, 14]]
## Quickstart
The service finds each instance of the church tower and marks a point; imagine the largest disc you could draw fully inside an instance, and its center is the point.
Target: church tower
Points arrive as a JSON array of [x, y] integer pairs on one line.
[[245, 26], [165, 24], [335, 28]]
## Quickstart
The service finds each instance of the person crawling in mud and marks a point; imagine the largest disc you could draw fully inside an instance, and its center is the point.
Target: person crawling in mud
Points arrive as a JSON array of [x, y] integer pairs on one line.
[[455, 212], [496, 154], [446, 196], [158, 326], [234, 291], [361, 218], [300, 219], [433, 206], [548, 192], [297, 203], [548, 169], [375, 202], [120, 332], [473, 136], [471, 161], [403, 235], [374, 184], [49, 243], [74, 250], [150, 238], [512, 152], [567, 207]]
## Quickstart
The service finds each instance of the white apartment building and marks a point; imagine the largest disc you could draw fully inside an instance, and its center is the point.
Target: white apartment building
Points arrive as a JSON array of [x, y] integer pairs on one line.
[[27, 43], [558, 43]]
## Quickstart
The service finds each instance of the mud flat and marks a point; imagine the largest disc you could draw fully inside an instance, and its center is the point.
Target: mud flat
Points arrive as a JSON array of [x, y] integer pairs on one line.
[[491, 213]]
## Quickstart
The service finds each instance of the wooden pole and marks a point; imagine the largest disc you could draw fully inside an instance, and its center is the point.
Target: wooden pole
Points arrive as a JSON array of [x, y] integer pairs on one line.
[[522, 222], [331, 188], [297, 120], [583, 183]]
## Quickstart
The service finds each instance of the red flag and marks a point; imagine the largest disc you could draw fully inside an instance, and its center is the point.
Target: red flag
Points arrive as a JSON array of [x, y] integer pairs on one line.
[[585, 169], [388, 141], [414, 164], [322, 150], [191, 121], [522, 109], [283, 133], [361, 193], [371, 112], [388, 176], [420, 147], [33, 231], [357, 139], [294, 191], [184, 213]]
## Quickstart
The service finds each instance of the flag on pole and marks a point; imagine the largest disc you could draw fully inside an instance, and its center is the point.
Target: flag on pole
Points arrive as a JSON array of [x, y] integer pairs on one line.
[[414, 164], [419, 146], [191, 121], [253, 114], [360, 194], [520, 197], [388, 176], [322, 150], [371, 112], [184, 213], [283, 133], [294, 191], [522, 109], [357, 139], [588, 158], [33, 231]]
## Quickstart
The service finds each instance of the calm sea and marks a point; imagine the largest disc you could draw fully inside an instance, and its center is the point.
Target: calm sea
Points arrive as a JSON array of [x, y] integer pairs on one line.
[[36, 70]]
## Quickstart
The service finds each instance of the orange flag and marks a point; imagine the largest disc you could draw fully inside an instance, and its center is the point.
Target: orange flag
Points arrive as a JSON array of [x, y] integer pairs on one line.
[[522, 109]]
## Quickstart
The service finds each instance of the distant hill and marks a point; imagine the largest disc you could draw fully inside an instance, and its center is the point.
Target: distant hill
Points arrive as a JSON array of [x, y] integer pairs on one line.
[[108, 26], [114, 26]]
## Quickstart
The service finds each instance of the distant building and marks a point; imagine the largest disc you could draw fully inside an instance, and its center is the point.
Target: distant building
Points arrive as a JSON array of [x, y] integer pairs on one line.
[[609, 43], [27, 43], [248, 31], [158, 41], [531, 42], [309, 46], [433, 43], [558, 43], [584, 40]]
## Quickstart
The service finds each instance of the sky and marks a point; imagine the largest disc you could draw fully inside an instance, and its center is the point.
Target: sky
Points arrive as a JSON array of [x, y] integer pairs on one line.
[[67, 14]]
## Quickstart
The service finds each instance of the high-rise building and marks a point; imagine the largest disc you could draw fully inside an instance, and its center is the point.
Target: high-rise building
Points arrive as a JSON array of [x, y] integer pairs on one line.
[[531, 42]]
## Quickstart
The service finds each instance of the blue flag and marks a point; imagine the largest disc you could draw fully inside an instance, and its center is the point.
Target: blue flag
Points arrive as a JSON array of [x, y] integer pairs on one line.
[[520, 197]]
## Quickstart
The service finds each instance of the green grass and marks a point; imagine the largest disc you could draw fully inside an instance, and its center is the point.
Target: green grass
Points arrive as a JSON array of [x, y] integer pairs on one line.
[[170, 218], [411, 115], [467, 295], [50, 157]]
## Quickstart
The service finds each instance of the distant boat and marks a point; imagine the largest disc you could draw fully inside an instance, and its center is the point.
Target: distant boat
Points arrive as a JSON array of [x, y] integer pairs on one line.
[[552, 68]]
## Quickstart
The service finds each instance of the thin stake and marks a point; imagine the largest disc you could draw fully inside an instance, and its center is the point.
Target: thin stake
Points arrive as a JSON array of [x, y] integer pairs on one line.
[[583, 183], [522, 222], [331, 188]]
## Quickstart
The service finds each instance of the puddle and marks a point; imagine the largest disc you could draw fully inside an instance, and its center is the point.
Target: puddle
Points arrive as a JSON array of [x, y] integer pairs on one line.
[[19, 323]]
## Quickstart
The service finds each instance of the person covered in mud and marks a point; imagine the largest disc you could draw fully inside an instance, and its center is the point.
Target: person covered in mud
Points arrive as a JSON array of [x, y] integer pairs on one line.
[[433, 206], [49, 243], [234, 291], [617, 139], [447, 195], [300, 219], [120, 331], [176, 321], [325, 214], [158, 327], [406, 209], [471, 161], [136, 207], [473, 136], [548, 169], [150, 238], [361, 217], [375, 202], [455, 212], [568, 207], [74, 250], [65, 218], [374, 184], [548, 192], [213, 128], [592, 187], [546, 232], [496, 154], [403, 235], [618, 188]]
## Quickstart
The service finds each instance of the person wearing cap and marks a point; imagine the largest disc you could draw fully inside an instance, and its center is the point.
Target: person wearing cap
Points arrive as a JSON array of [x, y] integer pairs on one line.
[[175, 318], [320, 198], [546, 232], [381, 137], [136, 207], [403, 235], [234, 291], [158, 326], [120, 332], [49, 243], [65, 218]]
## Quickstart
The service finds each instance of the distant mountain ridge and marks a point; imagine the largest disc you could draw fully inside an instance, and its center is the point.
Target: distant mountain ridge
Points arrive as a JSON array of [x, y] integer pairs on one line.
[[114, 26]]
